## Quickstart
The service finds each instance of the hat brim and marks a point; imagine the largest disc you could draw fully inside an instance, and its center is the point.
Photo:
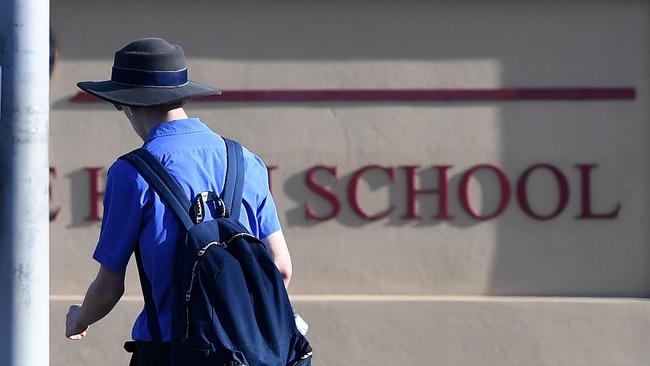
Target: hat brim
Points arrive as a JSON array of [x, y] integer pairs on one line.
[[142, 97]]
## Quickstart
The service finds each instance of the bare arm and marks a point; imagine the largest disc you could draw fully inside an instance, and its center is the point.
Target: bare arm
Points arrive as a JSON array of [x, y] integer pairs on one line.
[[102, 295], [278, 246]]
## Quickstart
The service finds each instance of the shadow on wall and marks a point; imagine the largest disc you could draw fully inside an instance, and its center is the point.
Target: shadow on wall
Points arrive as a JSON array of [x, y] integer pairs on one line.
[[333, 30], [572, 254], [542, 45], [569, 255]]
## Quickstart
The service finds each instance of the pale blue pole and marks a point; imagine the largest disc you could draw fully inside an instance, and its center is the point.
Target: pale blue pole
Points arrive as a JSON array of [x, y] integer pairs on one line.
[[24, 175]]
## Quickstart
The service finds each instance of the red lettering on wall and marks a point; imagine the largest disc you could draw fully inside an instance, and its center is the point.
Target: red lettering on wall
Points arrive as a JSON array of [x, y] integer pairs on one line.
[[463, 192], [323, 192], [353, 187], [324, 182], [96, 193], [522, 194], [585, 203], [54, 212], [412, 192]]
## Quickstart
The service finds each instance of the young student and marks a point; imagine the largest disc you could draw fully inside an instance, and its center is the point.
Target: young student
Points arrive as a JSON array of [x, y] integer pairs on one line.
[[149, 84]]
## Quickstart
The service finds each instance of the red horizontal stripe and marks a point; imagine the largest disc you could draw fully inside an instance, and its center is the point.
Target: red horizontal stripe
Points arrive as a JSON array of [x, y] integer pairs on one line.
[[409, 95]]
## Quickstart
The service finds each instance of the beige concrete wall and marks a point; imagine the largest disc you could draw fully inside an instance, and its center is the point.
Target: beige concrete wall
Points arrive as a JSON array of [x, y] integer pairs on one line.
[[412, 44], [459, 331]]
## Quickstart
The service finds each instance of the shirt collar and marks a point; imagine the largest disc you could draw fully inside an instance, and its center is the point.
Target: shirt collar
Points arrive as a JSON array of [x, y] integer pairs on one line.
[[177, 127]]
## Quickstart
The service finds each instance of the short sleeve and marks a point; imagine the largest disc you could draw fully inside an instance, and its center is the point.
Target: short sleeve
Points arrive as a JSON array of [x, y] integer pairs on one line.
[[121, 222], [266, 214]]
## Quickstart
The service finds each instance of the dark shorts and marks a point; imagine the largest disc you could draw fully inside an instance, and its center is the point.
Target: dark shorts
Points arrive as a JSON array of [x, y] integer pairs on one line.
[[148, 353]]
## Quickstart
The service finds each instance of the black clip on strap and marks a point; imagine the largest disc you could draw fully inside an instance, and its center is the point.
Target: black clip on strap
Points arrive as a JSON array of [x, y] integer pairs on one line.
[[198, 207]]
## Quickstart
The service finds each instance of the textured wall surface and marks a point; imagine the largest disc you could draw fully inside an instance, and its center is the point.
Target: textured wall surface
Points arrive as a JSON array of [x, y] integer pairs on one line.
[[398, 290]]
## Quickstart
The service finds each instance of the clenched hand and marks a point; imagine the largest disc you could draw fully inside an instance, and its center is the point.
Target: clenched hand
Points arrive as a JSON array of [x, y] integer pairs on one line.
[[72, 329]]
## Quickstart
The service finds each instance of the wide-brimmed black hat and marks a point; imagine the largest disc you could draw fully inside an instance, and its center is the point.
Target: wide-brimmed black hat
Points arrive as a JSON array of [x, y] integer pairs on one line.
[[148, 72]]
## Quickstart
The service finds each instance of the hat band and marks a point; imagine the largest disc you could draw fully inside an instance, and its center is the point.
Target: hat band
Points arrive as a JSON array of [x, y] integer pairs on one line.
[[149, 79]]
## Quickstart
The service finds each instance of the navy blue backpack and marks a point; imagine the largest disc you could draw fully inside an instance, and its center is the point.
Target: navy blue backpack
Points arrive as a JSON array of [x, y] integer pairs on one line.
[[230, 306]]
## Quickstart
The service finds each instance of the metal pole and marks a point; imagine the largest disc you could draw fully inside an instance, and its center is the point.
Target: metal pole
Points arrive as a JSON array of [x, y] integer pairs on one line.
[[24, 175]]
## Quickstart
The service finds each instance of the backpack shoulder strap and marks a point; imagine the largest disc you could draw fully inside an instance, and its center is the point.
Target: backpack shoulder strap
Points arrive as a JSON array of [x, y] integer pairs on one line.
[[172, 194], [162, 182], [149, 304], [234, 186]]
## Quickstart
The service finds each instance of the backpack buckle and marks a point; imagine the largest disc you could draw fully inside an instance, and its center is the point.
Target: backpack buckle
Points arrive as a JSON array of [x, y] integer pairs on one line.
[[197, 210]]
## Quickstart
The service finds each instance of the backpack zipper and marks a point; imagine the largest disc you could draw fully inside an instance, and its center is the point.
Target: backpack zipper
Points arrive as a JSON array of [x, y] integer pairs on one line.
[[200, 254], [302, 359], [188, 294]]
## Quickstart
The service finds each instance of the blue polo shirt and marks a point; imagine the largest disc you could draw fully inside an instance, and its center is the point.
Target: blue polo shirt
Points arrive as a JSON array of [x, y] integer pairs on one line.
[[135, 215]]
